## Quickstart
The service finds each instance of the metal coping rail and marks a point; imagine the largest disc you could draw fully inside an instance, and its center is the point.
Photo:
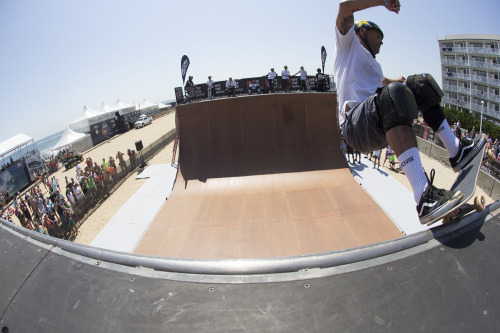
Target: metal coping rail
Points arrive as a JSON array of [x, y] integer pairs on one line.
[[261, 265]]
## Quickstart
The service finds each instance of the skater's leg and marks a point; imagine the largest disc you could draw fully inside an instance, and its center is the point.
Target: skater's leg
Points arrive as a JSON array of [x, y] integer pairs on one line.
[[403, 142], [428, 97]]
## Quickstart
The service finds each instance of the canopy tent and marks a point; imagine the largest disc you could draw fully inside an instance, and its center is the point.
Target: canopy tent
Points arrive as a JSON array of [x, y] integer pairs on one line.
[[106, 108], [164, 106], [81, 124], [68, 138], [124, 106], [147, 105], [13, 143]]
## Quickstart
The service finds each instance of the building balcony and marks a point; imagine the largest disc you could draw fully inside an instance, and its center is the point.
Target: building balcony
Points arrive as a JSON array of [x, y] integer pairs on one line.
[[485, 65], [449, 75], [463, 90], [467, 77], [474, 107], [470, 50], [461, 63]]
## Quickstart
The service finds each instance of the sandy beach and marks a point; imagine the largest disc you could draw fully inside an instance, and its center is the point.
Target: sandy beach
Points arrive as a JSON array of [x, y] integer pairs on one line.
[[108, 208]]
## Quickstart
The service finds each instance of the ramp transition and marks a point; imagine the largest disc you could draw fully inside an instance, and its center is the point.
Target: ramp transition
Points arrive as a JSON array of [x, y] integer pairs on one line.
[[263, 176]]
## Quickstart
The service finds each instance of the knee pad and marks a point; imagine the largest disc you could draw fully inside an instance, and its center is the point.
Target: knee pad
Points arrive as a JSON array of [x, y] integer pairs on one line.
[[426, 91], [397, 106]]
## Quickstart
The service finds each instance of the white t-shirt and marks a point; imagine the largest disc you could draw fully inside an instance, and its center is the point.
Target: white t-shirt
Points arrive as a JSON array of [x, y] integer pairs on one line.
[[303, 75], [231, 84], [210, 83], [285, 74], [272, 75], [357, 74]]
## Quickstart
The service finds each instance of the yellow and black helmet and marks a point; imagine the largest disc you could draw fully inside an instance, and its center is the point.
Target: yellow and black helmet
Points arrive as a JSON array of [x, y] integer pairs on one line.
[[367, 25]]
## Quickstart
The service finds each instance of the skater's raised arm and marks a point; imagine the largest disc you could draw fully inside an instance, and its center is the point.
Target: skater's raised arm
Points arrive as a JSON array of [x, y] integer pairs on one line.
[[345, 16]]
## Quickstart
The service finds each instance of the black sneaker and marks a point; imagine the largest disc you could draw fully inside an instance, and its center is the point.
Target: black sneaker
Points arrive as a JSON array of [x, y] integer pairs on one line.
[[436, 202], [467, 149]]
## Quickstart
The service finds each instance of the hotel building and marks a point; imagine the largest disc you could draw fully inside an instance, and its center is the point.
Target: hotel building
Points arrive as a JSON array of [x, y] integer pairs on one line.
[[470, 66]]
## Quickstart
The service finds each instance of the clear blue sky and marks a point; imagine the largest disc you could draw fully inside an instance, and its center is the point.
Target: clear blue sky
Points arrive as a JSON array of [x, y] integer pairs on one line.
[[58, 55]]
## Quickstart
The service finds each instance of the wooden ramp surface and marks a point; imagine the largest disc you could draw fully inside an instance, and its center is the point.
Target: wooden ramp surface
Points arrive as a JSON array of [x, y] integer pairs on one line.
[[263, 176]]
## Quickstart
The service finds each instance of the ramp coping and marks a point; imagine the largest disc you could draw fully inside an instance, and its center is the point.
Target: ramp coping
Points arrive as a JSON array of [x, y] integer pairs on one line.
[[264, 265]]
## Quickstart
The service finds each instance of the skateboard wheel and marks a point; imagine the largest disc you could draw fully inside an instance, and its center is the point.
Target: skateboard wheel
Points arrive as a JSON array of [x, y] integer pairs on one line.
[[479, 203]]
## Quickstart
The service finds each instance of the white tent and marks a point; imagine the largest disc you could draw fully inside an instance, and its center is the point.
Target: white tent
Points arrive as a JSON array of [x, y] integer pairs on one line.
[[164, 106], [147, 105], [81, 123], [120, 105], [14, 142], [70, 137], [124, 107], [106, 108]]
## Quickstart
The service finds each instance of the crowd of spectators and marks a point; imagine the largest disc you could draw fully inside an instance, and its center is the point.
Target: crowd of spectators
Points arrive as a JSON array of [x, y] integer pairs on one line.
[[58, 209]]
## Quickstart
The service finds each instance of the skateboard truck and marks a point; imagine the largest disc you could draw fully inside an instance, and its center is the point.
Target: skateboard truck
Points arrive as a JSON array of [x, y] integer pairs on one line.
[[478, 206]]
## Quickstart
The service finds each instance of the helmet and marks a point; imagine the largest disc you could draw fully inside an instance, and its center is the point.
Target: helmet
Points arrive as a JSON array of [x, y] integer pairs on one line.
[[367, 25]]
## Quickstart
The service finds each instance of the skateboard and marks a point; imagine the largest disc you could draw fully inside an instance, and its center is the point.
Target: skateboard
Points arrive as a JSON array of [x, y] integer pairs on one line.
[[466, 183]]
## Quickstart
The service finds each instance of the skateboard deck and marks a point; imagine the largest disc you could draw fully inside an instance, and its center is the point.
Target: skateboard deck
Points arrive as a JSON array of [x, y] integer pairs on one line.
[[466, 183]]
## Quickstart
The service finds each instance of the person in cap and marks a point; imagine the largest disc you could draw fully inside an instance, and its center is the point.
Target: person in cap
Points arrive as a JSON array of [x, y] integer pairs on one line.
[[190, 89], [303, 78], [320, 81], [375, 111], [270, 79]]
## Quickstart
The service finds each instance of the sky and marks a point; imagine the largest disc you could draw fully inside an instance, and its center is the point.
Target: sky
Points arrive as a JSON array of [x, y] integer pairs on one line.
[[57, 56]]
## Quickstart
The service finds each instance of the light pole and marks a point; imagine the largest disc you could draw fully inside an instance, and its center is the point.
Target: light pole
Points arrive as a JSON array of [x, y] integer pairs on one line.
[[481, 125]]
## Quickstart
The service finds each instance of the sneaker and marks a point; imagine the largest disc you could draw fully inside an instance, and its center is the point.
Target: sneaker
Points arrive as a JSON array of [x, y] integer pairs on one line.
[[467, 149], [436, 202]]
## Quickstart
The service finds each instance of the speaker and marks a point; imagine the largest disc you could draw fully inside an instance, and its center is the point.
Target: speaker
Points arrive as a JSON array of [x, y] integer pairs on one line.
[[138, 145]]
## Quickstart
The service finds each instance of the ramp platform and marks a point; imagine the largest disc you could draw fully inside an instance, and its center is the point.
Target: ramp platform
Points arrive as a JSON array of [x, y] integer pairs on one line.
[[263, 176]]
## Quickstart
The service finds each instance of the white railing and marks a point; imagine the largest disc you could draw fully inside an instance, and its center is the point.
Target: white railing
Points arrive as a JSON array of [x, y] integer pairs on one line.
[[473, 50]]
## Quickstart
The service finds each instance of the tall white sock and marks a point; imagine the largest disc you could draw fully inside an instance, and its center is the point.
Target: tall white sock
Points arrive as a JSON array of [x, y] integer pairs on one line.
[[411, 164], [449, 139]]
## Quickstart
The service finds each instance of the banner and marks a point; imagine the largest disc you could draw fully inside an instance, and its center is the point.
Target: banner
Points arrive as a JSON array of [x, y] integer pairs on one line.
[[184, 67], [323, 58], [34, 162], [243, 84]]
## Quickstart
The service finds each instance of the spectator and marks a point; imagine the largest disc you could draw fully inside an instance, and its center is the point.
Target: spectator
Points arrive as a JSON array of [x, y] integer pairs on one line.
[[131, 157], [231, 87], [123, 165], [51, 226], [210, 88], [270, 79], [285, 77], [303, 78]]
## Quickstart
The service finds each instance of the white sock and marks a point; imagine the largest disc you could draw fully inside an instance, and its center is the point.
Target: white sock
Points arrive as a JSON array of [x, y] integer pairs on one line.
[[411, 164], [449, 139]]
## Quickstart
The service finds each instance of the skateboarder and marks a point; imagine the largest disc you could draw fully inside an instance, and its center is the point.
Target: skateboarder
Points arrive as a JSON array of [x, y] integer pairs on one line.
[[375, 111]]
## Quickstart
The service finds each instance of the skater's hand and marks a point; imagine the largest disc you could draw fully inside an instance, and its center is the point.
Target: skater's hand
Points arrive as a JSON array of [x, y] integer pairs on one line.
[[400, 79], [393, 6]]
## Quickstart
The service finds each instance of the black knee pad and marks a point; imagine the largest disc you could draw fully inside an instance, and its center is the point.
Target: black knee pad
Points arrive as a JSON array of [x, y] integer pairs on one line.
[[426, 91], [397, 106]]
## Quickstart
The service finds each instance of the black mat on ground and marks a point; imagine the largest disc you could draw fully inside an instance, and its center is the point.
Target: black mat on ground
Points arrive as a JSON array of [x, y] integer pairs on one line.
[[452, 287]]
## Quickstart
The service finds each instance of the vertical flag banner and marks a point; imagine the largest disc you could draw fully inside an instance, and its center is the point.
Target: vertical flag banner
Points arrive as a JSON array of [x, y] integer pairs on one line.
[[323, 58], [184, 67]]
